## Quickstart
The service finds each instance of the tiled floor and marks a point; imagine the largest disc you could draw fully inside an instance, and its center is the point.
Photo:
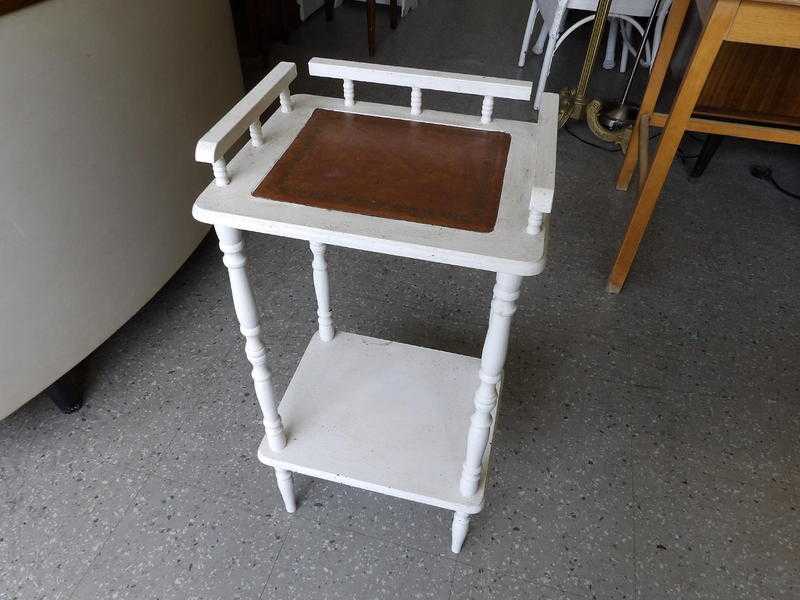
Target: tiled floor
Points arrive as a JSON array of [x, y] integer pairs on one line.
[[648, 446]]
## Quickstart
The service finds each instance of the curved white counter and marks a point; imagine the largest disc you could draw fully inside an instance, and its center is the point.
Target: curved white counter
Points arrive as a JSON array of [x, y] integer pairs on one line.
[[100, 106]]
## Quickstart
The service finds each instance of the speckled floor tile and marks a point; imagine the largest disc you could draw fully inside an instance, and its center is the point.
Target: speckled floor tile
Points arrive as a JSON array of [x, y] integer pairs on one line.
[[181, 542], [322, 562], [411, 524], [562, 519], [56, 522], [688, 438], [718, 540], [478, 583]]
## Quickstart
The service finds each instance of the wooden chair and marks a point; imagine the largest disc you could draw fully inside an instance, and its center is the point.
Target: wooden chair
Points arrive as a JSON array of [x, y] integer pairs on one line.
[[450, 188], [371, 9]]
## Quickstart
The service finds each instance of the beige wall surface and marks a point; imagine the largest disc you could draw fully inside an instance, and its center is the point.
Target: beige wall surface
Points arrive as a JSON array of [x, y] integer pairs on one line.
[[101, 103]]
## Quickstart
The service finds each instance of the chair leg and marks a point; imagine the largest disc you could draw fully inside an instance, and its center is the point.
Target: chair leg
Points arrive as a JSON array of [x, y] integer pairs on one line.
[[659, 28], [625, 31], [526, 39], [611, 44], [286, 488], [546, 63], [459, 531], [538, 47]]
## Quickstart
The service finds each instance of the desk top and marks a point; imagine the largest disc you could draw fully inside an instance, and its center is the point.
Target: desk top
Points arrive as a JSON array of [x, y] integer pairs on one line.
[[506, 247], [393, 168]]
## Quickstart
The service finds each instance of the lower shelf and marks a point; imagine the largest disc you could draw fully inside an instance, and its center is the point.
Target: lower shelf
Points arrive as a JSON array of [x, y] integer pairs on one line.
[[381, 416]]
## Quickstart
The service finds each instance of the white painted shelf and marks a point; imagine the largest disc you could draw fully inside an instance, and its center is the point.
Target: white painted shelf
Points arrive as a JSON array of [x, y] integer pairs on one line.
[[381, 416]]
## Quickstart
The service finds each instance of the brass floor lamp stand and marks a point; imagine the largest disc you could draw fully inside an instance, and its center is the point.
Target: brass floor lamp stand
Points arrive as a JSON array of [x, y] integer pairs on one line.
[[573, 102]]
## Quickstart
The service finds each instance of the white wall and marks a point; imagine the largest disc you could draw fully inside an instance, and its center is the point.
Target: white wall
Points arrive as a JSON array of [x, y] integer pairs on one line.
[[101, 102]]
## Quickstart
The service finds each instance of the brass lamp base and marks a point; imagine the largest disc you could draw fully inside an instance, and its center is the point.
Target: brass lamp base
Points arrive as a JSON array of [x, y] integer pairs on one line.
[[597, 120], [570, 106]]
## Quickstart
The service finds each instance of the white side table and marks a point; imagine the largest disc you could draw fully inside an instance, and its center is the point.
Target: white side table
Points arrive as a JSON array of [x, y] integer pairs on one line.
[[379, 415]]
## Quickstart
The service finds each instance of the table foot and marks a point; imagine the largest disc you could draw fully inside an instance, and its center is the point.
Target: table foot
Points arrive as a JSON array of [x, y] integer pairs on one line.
[[459, 529], [286, 487]]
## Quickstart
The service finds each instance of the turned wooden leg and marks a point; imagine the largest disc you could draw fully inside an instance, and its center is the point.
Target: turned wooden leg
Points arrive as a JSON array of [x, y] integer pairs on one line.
[[322, 290], [371, 27], [506, 292], [657, 74], [286, 487], [231, 243], [688, 93], [459, 531]]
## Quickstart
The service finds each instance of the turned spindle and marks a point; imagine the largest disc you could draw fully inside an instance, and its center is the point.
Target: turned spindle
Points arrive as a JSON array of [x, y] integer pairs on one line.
[[231, 243], [486, 109], [349, 92], [535, 220], [506, 292], [220, 168], [286, 101], [416, 101], [256, 134], [322, 291]]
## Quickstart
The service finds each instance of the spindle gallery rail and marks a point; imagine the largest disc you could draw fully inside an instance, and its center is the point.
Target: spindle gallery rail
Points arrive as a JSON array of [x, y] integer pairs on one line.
[[246, 114], [375, 414], [418, 80]]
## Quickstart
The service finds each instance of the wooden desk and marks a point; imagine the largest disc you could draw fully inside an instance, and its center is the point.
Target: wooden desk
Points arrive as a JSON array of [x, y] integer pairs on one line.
[[767, 23]]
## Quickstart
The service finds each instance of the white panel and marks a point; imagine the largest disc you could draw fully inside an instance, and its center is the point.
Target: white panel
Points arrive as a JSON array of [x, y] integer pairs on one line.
[[102, 103]]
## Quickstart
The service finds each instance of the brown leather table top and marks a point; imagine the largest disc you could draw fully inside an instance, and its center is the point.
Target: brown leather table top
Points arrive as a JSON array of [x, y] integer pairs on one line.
[[391, 168]]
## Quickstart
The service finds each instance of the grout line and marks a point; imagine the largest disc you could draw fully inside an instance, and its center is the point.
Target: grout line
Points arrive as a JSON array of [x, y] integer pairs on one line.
[[134, 496], [632, 516], [452, 582], [277, 556]]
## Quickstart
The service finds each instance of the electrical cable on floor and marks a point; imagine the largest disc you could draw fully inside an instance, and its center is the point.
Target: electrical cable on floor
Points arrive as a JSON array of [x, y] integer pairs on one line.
[[588, 143], [765, 173], [599, 147]]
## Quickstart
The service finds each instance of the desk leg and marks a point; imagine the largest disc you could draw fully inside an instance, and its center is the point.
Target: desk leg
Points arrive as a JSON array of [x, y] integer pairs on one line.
[[322, 291], [504, 304], [459, 531], [493, 357], [659, 71], [688, 93], [231, 243]]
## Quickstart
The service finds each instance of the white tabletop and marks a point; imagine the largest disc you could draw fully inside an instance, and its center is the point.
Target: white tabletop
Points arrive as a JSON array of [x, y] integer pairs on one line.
[[509, 248]]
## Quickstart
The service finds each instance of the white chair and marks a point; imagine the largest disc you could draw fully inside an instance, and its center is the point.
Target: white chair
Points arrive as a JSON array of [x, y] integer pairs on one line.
[[554, 13]]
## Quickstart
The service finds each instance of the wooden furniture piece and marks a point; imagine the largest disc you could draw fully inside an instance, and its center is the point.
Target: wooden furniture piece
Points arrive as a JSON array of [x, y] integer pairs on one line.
[[371, 8], [763, 22], [379, 415], [554, 14]]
